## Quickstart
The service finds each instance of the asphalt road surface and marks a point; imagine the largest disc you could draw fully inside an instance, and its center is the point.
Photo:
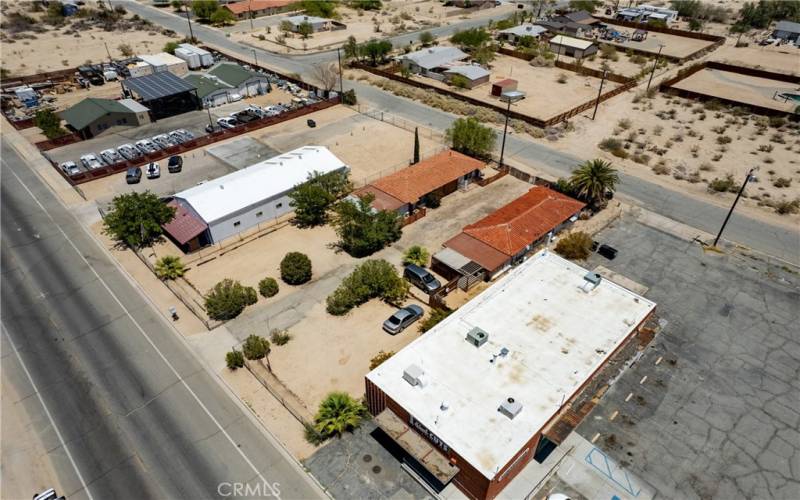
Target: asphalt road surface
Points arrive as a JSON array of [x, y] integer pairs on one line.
[[770, 239], [129, 411]]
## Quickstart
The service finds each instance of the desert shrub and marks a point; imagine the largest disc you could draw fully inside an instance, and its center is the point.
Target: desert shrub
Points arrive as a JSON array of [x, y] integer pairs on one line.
[[280, 337], [434, 318], [255, 347], [234, 359], [459, 81], [295, 268], [416, 255], [723, 185], [624, 124], [338, 413], [777, 121], [787, 207], [610, 144], [766, 148], [706, 167], [641, 158], [268, 287], [226, 300], [724, 139], [379, 358], [782, 182], [694, 177], [661, 168], [562, 78], [375, 278], [250, 295], [577, 245], [169, 267], [608, 52]]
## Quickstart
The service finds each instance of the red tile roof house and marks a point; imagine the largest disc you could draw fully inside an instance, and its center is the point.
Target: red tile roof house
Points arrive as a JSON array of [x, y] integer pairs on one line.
[[258, 8], [505, 237], [407, 189]]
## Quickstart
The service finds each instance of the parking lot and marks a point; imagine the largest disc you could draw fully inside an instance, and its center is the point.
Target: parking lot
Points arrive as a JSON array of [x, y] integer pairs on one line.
[[710, 410]]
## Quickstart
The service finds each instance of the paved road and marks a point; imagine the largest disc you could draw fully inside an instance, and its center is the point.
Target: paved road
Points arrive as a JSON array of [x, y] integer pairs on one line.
[[132, 414], [770, 239]]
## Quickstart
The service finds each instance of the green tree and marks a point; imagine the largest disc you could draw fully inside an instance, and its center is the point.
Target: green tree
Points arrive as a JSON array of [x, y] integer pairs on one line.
[[416, 145], [351, 48], [170, 47], [739, 29], [318, 8], [365, 4], [459, 81], [312, 199], [416, 255], [234, 359], [226, 300], [295, 268], [255, 347], [268, 287], [593, 179], [222, 17], [338, 413], [375, 278], [286, 27], [305, 30], [484, 55], [177, 5], [426, 38], [379, 359], [375, 50], [576, 246], [687, 8], [49, 123], [434, 318], [363, 231], [695, 24], [469, 136], [472, 38], [135, 219], [203, 9], [587, 5], [169, 267]]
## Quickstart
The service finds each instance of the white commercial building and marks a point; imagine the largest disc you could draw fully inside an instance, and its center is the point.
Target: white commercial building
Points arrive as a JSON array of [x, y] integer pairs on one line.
[[474, 399], [156, 63], [259, 193]]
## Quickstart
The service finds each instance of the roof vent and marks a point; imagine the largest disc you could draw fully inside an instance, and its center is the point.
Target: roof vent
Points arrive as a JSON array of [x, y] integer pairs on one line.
[[592, 280], [413, 375], [477, 337], [510, 407]]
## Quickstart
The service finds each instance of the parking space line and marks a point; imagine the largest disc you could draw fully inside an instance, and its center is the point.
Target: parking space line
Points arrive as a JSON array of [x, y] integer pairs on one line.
[[643, 380], [629, 397]]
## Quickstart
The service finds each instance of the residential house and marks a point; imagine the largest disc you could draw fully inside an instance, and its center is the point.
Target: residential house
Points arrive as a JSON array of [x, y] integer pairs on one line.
[[432, 61], [257, 8], [573, 47], [565, 26], [93, 116], [471, 75], [513, 34], [505, 237], [246, 82], [317, 23], [787, 30]]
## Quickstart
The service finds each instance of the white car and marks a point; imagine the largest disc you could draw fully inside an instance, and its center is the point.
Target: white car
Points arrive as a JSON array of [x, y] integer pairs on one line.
[[227, 122], [129, 152], [146, 146], [163, 140], [153, 170], [272, 111], [110, 156], [235, 97], [91, 162], [256, 110], [70, 168]]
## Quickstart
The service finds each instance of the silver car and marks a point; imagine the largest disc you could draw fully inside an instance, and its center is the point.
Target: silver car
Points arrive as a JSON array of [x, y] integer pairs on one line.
[[91, 162], [70, 168], [163, 141], [147, 146], [129, 152], [401, 319], [110, 156]]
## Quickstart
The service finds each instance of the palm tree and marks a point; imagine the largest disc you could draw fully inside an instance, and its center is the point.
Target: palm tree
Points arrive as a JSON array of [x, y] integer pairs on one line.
[[169, 268], [337, 414], [593, 179]]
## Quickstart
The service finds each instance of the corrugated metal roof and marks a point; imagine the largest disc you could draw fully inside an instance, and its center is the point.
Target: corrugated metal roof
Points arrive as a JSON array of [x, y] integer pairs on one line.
[[469, 71], [434, 57], [185, 225], [230, 193], [82, 114], [789, 26], [575, 43], [232, 73], [525, 29], [133, 106], [157, 85], [205, 85]]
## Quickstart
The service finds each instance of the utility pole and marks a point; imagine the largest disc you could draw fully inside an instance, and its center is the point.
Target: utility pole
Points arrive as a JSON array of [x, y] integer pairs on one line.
[[660, 47], [341, 78], [509, 98], [189, 20], [599, 92], [210, 122], [255, 57], [110, 59], [250, 11], [738, 195]]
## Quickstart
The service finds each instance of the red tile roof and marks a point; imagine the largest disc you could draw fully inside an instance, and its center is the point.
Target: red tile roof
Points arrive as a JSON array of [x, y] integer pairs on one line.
[[246, 5], [477, 251], [410, 184], [185, 226], [514, 226]]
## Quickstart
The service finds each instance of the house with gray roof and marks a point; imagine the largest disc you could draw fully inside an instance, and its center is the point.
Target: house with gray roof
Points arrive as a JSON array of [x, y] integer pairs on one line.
[[210, 90], [245, 82], [473, 75], [317, 23], [787, 30], [513, 34], [93, 116], [432, 61]]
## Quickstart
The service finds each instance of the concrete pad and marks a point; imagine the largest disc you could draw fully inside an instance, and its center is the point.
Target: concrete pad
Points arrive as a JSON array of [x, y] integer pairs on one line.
[[243, 152], [621, 280]]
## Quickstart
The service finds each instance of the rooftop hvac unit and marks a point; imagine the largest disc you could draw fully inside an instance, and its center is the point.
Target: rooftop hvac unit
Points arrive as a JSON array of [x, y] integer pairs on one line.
[[477, 337], [510, 407], [413, 375], [592, 280]]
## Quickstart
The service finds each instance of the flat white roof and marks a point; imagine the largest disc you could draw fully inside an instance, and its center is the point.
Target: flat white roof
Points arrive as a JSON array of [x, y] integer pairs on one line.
[[556, 336], [160, 59], [567, 41], [525, 29], [133, 105], [216, 199]]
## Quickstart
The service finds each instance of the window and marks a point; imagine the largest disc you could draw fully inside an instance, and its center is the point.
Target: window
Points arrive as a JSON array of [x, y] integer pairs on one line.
[[237, 224], [279, 205], [259, 214]]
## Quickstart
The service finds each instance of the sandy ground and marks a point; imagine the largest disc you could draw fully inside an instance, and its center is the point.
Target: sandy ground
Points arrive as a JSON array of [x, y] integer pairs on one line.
[[545, 96], [53, 51], [783, 59], [676, 46], [742, 88]]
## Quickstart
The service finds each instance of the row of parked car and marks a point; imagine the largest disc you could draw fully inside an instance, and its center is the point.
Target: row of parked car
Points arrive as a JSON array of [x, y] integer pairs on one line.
[[91, 161], [153, 170], [249, 114]]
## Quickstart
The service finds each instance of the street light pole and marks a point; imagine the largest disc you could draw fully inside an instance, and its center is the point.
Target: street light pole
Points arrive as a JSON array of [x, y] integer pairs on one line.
[[660, 47], [189, 20], [250, 11], [505, 129], [738, 195], [341, 78], [599, 92]]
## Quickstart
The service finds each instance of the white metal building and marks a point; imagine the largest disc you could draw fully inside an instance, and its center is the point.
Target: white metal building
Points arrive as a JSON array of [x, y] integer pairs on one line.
[[259, 193], [195, 57], [475, 396], [156, 63]]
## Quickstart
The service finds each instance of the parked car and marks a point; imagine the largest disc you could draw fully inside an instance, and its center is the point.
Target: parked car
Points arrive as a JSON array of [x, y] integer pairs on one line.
[[311, 123], [184, 134], [175, 164], [153, 170], [244, 117], [91, 161], [421, 278], [129, 152], [607, 251], [163, 141], [70, 168], [146, 146], [110, 156], [133, 175], [176, 137], [256, 111], [401, 319], [235, 97], [272, 111], [226, 122]]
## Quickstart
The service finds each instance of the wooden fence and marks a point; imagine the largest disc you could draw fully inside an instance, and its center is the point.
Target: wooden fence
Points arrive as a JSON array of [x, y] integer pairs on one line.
[[576, 68], [667, 86], [52, 76], [64, 140]]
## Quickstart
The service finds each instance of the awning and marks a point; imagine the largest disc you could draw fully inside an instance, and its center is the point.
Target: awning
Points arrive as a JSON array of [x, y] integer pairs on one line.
[[451, 258], [417, 446], [185, 225]]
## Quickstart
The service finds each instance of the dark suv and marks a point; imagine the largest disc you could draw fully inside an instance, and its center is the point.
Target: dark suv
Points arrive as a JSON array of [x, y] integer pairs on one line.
[[133, 175], [421, 278], [175, 164]]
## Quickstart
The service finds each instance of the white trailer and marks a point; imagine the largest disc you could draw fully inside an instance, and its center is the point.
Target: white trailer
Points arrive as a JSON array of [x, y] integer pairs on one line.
[[192, 59]]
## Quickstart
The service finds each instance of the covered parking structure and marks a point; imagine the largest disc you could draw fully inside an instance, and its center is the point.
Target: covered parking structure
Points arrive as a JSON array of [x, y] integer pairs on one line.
[[164, 93]]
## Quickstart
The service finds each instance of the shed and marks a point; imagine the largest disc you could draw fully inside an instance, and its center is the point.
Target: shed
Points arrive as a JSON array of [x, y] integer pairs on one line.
[[164, 93], [211, 91], [503, 86], [573, 47], [787, 30], [475, 75]]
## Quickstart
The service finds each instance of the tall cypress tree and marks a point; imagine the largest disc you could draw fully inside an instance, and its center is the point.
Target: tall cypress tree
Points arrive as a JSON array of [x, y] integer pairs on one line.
[[416, 145]]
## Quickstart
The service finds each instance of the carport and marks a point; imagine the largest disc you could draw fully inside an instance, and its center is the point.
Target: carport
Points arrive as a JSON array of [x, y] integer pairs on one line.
[[164, 93], [451, 264]]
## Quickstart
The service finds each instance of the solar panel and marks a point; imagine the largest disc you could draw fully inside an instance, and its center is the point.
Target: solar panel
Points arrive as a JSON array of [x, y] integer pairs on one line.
[[157, 85]]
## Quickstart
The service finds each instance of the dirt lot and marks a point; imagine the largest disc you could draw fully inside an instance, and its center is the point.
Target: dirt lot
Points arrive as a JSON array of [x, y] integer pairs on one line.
[[675, 46], [784, 59], [546, 96], [742, 88]]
